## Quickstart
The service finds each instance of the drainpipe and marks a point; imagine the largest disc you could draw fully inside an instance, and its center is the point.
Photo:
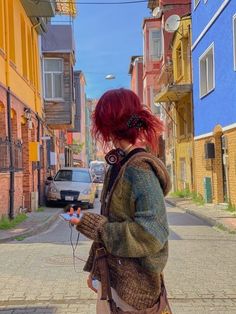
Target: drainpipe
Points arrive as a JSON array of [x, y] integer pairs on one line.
[[12, 169], [9, 129], [38, 164]]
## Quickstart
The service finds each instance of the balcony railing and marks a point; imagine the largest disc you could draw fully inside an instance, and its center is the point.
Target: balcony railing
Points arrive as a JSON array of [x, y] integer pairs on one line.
[[166, 77], [5, 155]]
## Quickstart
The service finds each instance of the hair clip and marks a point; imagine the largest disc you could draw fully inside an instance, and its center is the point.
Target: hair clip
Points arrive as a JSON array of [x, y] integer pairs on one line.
[[135, 122]]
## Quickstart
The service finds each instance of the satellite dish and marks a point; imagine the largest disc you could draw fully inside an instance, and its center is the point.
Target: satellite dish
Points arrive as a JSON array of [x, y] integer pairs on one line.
[[110, 77], [172, 23], [157, 12]]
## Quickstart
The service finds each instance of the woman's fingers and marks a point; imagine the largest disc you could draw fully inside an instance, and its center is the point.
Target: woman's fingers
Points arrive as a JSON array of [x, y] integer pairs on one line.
[[74, 221], [90, 284]]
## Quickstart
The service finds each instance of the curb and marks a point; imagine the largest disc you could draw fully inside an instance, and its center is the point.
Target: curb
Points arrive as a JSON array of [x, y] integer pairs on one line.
[[213, 222], [33, 230]]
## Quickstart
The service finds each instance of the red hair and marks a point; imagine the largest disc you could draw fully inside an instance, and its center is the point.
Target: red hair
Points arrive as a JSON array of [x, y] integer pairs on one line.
[[113, 111]]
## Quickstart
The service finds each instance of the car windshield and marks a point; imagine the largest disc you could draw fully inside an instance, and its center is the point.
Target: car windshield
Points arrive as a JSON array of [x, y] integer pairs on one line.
[[73, 176]]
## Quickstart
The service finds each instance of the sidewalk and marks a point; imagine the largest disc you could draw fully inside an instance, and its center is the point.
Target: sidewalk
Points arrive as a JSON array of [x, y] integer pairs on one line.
[[35, 223], [214, 215]]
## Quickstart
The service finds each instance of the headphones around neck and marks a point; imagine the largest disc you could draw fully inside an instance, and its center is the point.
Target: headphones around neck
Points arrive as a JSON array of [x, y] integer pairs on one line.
[[114, 156]]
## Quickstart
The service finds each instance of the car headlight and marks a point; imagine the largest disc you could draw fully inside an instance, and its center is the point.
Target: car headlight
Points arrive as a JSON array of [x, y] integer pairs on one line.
[[86, 192], [53, 189]]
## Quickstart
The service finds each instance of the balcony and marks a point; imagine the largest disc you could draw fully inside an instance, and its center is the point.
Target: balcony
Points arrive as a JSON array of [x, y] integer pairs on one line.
[[166, 76], [59, 115], [168, 89], [35, 8]]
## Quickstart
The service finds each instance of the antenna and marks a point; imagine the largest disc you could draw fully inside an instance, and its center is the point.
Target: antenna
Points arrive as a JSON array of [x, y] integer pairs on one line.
[[172, 23], [157, 12]]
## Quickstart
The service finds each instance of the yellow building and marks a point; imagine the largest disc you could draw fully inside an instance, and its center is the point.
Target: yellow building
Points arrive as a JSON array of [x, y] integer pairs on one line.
[[176, 96], [24, 147], [21, 112]]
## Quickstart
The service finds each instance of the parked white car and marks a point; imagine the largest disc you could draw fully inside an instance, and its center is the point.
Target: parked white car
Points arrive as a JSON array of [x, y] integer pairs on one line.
[[72, 185], [98, 170]]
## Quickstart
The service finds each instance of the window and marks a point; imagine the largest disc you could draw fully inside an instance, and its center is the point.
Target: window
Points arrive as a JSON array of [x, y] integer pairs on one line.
[[196, 3], [182, 169], [53, 78], [207, 71], [179, 66], [155, 44], [234, 40], [181, 114], [23, 48], [30, 56], [1, 25], [11, 30], [189, 119]]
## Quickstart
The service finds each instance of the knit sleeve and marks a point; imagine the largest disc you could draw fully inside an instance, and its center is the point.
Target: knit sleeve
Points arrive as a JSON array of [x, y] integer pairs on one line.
[[147, 232]]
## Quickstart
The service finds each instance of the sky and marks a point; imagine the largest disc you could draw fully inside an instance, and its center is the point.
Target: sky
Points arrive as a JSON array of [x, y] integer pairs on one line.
[[106, 36]]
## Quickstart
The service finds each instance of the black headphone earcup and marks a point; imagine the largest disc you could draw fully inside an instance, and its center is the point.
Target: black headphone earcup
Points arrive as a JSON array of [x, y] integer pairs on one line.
[[114, 156], [111, 159]]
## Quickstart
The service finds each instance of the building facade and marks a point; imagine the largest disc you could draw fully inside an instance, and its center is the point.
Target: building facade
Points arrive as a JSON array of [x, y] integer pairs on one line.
[[91, 149], [58, 59], [24, 135], [158, 67], [176, 94], [152, 59], [78, 135], [136, 73], [214, 96], [21, 110]]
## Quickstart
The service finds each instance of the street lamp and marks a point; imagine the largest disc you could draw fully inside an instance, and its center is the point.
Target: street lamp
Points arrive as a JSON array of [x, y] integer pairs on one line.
[[110, 77]]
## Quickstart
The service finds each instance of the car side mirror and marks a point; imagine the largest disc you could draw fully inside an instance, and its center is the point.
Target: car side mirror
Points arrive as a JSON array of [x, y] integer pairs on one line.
[[49, 180]]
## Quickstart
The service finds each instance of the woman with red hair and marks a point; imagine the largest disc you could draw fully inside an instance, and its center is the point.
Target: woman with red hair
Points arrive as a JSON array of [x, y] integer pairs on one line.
[[130, 247]]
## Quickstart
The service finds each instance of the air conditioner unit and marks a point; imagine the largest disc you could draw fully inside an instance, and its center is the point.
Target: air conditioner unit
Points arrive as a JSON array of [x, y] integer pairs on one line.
[[224, 142]]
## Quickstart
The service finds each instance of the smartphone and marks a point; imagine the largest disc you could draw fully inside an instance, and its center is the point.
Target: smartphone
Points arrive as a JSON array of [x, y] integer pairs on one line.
[[68, 217]]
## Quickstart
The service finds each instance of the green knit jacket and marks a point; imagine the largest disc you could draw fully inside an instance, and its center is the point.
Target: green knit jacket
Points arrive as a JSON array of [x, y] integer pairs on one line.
[[134, 230]]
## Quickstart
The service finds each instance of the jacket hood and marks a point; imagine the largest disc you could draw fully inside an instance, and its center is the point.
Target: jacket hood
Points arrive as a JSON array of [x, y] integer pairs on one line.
[[157, 166]]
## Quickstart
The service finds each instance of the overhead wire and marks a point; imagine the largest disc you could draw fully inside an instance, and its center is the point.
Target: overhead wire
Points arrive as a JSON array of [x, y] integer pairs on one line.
[[98, 3]]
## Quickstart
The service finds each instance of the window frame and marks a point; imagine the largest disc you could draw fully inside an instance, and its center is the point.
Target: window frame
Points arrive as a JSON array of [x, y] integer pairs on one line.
[[151, 46], [179, 62], [182, 122], [234, 40], [62, 79], [183, 169], [196, 3], [203, 56]]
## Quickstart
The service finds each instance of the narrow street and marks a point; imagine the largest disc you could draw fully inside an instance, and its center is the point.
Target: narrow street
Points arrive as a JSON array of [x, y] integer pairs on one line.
[[37, 274]]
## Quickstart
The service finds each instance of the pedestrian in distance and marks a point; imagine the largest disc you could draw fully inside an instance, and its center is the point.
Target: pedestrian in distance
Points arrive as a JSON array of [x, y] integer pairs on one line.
[[130, 236]]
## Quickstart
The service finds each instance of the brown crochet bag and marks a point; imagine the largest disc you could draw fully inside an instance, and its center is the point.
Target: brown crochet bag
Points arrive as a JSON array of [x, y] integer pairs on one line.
[[161, 307]]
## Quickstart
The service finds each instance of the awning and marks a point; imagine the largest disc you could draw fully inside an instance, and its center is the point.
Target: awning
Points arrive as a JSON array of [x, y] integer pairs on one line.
[[66, 7], [173, 92]]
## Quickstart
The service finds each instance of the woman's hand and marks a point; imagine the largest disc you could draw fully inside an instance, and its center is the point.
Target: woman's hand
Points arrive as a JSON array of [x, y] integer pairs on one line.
[[74, 221], [90, 283]]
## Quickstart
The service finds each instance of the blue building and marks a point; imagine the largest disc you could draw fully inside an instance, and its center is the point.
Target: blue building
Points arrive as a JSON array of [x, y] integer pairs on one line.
[[214, 98]]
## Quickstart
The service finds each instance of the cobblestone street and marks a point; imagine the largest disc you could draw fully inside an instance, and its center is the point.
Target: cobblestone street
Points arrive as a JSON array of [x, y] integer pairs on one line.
[[37, 274]]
